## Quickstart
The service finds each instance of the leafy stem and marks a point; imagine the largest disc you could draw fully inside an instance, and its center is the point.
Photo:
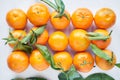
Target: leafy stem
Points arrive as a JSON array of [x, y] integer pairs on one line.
[[58, 6], [47, 55], [97, 36], [100, 53], [32, 36]]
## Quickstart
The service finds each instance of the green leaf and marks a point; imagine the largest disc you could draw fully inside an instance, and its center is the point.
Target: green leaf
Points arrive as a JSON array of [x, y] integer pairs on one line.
[[30, 78], [72, 74], [23, 47], [33, 38], [61, 6], [50, 4], [30, 36], [118, 65], [99, 52], [47, 55], [97, 36], [18, 79], [35, 78], [62, 76], [99, 76]]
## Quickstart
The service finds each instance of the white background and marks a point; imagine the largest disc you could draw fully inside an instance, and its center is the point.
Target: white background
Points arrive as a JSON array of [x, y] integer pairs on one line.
[[71, 5]]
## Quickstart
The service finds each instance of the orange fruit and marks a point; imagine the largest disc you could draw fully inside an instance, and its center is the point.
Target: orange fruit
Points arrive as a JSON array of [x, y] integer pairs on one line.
[[83, 61], [63, 60], [105, 18], [58, 41], [38, 14], [18, 34], [60, 23], [82, 18], [104, 64], [16, 18], [37, 61], [18, 61], [78, 40], [101, 43]]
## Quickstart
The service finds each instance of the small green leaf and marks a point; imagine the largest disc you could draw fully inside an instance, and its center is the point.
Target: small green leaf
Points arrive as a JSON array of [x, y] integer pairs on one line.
[[47, 55], [62, 76], [99, 76], [35, 78], [118, 65], [30, 36], [18, 79], [50, 4], [33, 38], [23, 47], [71, 74], [68, 18], [99, 52], [97, 36]]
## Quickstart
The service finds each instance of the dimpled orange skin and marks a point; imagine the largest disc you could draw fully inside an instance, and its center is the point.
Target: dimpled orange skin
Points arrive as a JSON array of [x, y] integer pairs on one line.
[[101, 43], [18, 34], [18, 61], [79, 60], [59, 23], [63, 60], [38, 14], [58, 41], [78, 40], [82, 18], [103, 64], [16, 18], [37, 61], [105, 18]]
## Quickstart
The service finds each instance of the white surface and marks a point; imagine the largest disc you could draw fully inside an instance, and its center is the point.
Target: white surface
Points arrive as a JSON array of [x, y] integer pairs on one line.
[[71, 5]]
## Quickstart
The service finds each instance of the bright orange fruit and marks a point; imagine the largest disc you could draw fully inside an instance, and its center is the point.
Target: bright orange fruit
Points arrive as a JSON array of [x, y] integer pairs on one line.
[[38, 14], [78, 40], [101, 43], [83, 61], [63, 60], [16, 18], [82, 18], [105, 18], [104, 64], [60, 23], [58, 41], [18, 61], [37, 61]]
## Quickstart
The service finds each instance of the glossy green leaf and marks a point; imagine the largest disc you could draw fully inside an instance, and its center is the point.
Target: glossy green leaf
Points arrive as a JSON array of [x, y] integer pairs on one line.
[[99, 76], [35, 78], [118, 65], [71, 74]]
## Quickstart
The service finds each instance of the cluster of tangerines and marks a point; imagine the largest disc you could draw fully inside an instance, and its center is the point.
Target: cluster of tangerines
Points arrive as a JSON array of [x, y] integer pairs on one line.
[[38, 14]]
